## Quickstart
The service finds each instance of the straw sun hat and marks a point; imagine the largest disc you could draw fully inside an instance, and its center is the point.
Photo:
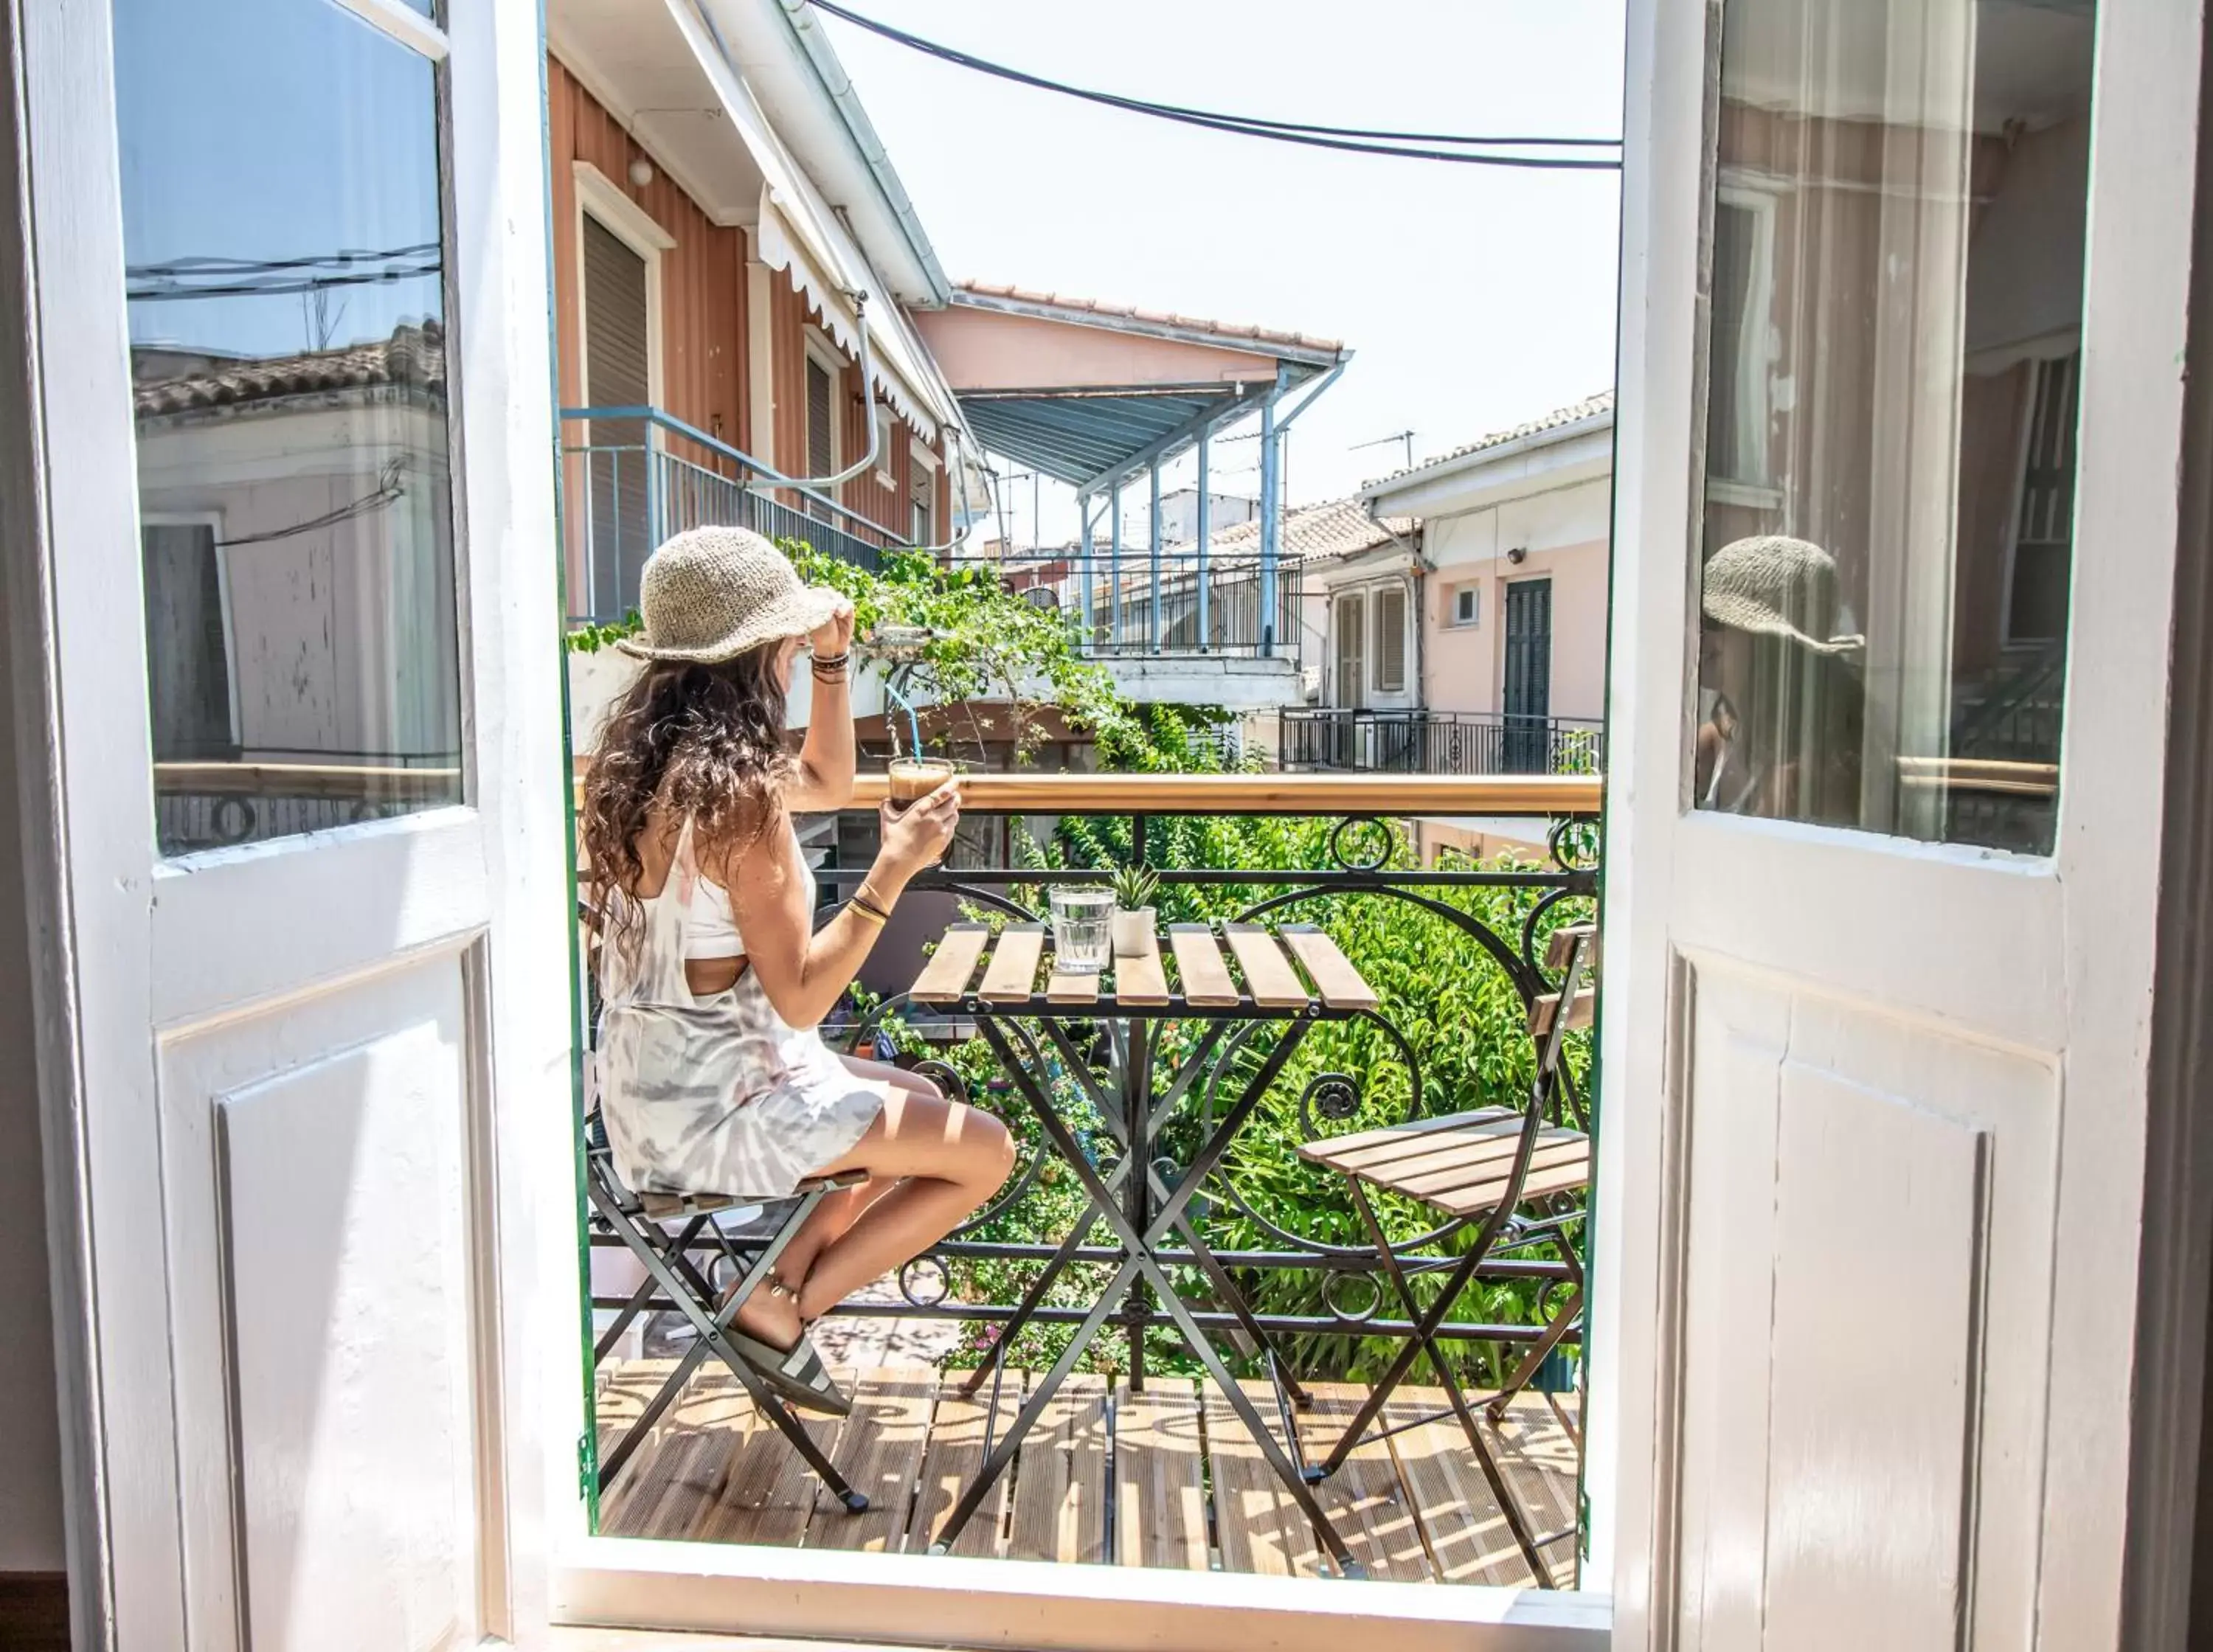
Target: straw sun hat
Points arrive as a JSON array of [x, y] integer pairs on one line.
[[1774, 586], [710, 594]]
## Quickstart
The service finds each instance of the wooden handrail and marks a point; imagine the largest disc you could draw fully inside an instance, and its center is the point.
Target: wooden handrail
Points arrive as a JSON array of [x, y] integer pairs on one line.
[[1543, 795], [1978, 774], [345, 781]]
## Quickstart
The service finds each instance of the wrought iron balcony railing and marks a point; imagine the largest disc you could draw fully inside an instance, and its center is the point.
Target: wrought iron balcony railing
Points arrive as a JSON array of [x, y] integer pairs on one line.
[[632, 475], [1439, 742], [1177, 603], [1483, 932]]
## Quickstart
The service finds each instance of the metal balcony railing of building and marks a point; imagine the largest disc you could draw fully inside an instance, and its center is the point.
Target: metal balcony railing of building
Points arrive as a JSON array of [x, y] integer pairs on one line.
[[1176, 601], [632, 475], [1439, 742]]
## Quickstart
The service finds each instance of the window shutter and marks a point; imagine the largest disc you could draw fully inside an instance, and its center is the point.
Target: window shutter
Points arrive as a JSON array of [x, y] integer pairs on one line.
[[614, 322], [1390, 611], [821, 451]]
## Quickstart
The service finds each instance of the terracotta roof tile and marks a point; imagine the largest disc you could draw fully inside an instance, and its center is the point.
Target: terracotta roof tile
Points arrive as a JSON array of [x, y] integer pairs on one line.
[[413, 354], [1334, 527], [1573, 413]]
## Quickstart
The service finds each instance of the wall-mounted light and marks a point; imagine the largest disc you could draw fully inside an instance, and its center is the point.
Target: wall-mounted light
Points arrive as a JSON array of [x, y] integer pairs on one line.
[[1518, 555], [641, 172]]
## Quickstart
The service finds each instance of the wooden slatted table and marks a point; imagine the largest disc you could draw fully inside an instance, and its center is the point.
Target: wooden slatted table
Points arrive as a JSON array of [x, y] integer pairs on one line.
[[1246, 971], [1025, 1004]]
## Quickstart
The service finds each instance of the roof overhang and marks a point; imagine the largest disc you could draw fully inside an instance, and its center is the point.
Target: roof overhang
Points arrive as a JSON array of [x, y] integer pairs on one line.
[[1558, 457], [779, 48], [676, 77], [1090, 396]]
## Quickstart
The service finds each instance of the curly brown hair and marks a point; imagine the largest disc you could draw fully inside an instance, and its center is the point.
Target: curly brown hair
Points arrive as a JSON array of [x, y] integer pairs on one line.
[[704, 741]]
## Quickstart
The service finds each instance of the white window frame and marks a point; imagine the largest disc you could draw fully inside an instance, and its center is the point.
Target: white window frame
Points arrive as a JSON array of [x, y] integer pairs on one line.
[[599, 197], [827, 356], [887, 425], [921, 490], [1342, 694], [1471, 594]]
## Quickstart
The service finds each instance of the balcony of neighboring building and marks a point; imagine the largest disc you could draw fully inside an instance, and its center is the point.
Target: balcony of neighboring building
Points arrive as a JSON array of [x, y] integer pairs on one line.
[[1100, 399]]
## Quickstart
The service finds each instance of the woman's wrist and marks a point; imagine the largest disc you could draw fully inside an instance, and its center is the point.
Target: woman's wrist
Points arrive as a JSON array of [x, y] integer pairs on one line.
[[886, 880]]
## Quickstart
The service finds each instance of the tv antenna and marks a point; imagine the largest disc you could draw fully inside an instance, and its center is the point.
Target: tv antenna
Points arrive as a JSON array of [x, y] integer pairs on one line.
[[1405, 438]]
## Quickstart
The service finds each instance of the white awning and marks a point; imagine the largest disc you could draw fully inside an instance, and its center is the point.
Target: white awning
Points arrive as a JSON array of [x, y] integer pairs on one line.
[[799, 233], [897, 355]]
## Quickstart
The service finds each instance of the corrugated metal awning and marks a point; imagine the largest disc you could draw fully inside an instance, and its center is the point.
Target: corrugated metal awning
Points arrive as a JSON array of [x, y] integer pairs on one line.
[[1089, 393]]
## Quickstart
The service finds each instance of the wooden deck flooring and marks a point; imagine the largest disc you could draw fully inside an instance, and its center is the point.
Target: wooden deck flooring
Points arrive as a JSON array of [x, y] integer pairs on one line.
[[1166, 1477]]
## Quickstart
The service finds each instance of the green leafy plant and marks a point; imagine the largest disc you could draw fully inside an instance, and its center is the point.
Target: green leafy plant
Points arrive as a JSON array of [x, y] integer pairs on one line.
[[985, 641], [590, 639], [1135, 886]]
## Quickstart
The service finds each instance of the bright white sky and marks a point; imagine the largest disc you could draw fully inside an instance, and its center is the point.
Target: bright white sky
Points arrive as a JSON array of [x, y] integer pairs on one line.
[[1474, 297]]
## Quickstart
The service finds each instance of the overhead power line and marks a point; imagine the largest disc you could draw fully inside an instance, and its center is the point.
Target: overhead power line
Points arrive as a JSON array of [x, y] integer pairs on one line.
[[1470, 150]]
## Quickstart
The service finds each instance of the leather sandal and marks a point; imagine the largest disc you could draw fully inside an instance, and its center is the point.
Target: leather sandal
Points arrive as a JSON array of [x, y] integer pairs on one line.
[[795, 1375]]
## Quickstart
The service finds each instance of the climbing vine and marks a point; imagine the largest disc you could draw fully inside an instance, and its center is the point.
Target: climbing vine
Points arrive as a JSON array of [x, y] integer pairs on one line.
[[982, 641]]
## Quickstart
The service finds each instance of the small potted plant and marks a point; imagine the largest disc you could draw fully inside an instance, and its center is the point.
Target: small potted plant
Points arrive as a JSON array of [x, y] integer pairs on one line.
[[1134, 888]]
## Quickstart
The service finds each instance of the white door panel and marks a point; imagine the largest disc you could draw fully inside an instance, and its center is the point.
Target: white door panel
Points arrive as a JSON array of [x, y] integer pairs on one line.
[[1870, 1211], [1875, 1107], [287, 915], [318, 1209], [291, 1059]]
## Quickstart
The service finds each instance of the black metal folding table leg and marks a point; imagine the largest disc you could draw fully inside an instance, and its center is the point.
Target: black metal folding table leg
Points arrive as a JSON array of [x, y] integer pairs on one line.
[[1141, 1245], [1033, 1298], [996, 1463], [1264, 1437], [1202, 1255]]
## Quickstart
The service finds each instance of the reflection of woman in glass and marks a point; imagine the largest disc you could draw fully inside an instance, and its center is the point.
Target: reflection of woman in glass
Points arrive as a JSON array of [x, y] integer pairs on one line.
[[1782, 701]]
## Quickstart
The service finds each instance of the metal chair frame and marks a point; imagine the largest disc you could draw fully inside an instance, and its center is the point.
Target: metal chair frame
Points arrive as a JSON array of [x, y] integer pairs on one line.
[[680, 1283], [1497, 1232]]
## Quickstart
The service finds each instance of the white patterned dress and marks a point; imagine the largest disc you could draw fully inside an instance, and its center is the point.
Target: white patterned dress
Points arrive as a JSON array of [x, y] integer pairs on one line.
[[718, 1095]]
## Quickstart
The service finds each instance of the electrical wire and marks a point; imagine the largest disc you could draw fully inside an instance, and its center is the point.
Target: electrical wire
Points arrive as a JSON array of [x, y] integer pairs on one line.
[[390, 491], [1350, 139]]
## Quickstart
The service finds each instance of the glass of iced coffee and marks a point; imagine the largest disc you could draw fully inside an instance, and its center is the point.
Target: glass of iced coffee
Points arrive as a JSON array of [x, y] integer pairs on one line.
[[913, 779]]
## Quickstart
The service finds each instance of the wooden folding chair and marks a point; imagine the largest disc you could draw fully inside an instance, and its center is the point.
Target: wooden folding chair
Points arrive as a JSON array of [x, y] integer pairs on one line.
[[1483, 1167]]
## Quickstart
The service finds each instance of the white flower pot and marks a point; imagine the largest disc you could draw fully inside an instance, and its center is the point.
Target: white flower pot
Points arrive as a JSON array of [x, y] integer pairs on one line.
[[1133, 933]]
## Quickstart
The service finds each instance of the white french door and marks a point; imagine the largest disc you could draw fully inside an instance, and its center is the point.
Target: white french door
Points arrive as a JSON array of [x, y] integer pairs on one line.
[[1878, 952], [287, 266]]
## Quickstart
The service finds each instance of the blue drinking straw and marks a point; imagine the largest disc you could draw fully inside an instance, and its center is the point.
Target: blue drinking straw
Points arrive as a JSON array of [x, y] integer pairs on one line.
[[913, 723]]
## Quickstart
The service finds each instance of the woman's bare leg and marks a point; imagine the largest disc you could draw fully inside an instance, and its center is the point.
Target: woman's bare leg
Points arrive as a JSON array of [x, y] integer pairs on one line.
[[776, 1319], [947, 1159], [841, 1210]]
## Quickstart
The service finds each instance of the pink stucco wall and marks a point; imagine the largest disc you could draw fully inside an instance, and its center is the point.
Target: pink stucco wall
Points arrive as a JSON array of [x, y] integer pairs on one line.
[[1464, 665]]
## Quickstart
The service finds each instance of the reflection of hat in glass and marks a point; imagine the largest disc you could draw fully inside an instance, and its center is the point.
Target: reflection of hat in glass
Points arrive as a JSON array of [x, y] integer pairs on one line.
[[1774, 586]]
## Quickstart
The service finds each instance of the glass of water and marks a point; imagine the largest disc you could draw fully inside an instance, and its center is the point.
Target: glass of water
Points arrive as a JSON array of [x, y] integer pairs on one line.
[[1082, 923]]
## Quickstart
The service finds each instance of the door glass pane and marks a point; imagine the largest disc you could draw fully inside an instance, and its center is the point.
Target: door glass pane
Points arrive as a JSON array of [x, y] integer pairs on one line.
[[1891, 393], [284, 240]]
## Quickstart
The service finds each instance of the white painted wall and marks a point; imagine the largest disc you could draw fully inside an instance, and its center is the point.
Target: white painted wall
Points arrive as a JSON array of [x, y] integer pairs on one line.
[[30, 1505]]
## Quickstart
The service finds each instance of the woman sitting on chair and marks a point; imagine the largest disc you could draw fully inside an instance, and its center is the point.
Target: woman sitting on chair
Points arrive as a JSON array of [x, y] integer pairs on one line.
[[714, 1078]]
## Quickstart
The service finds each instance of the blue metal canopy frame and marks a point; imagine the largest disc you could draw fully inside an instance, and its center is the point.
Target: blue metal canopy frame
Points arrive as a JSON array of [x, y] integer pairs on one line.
[[1100, 438]]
